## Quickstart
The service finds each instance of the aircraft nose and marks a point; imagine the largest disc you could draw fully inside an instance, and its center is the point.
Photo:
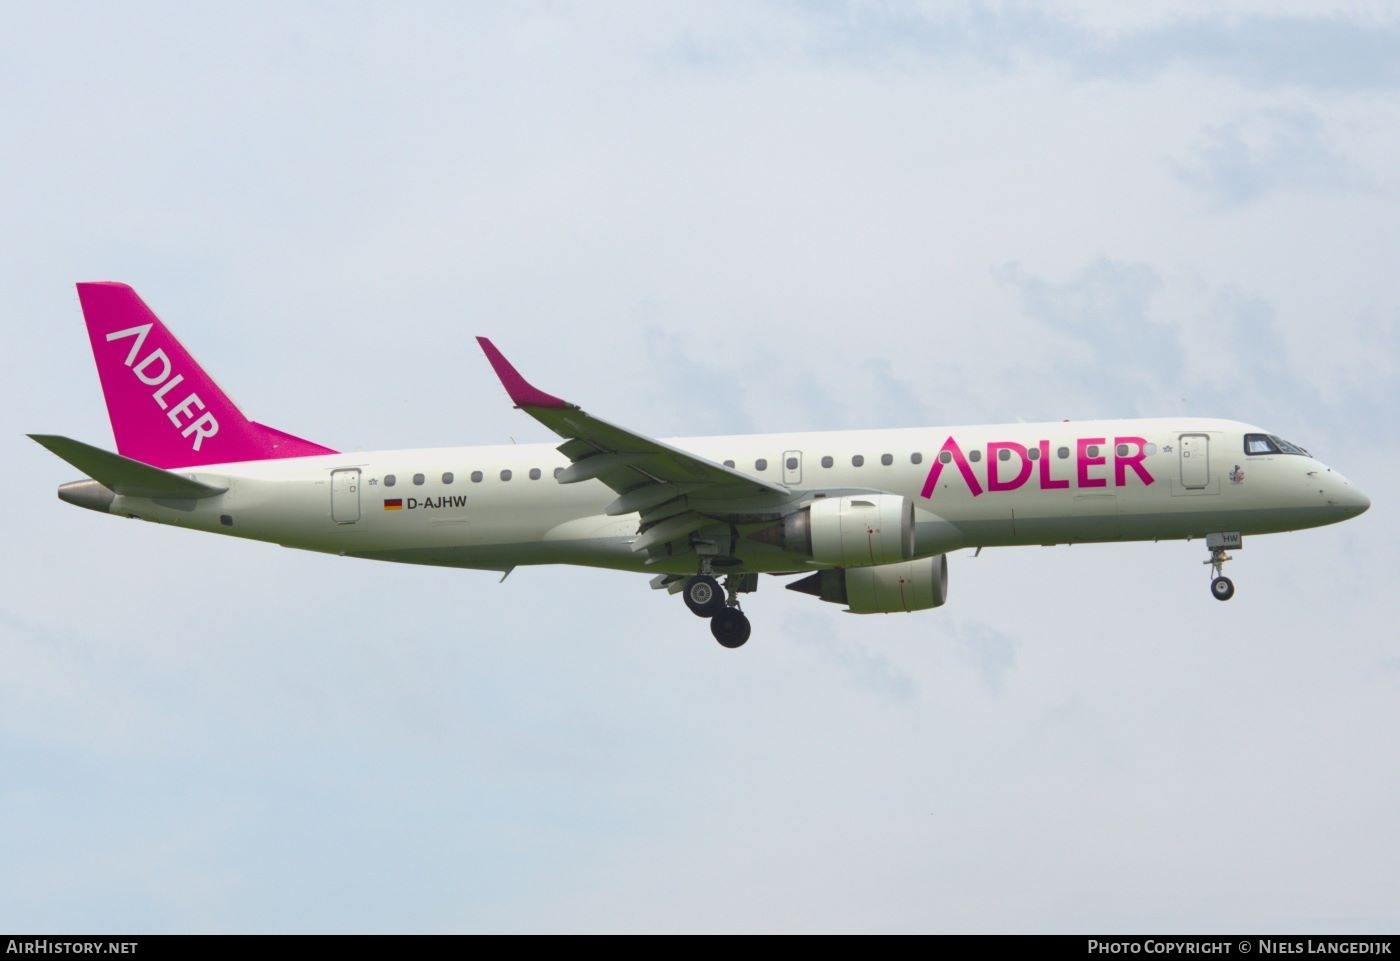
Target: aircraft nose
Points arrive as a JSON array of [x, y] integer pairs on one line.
[[1360, 502], [1349, 498]]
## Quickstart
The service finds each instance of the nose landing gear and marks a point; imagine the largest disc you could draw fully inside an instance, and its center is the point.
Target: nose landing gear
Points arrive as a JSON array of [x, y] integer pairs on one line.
[[1221, 587]]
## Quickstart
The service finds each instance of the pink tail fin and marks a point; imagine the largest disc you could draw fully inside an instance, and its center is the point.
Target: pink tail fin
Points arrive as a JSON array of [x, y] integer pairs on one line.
[[165, 410]]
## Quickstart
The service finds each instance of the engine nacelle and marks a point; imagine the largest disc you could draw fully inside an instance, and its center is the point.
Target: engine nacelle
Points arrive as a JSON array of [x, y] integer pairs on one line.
[[916, 585], [858, 530]]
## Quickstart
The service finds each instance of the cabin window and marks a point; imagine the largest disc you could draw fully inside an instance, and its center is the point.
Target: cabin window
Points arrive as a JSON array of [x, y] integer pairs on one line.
[[558, 471], [887, 459], [1122, 450], [1092, 450], [476, 477], [1062, 453], [761, 464], [945, 457], [534, 473], [916, 458], [729, 464], [447, 477], [975, 456], [1003, 454], [390, 480], [418, 480], [858, 460], [505, 474], [827, 461], [1150, 449], [792, 463], [1033, 453]]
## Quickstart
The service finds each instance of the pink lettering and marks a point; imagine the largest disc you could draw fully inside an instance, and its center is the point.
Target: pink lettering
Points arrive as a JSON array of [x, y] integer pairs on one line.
[[1085, 462], [1046, 483], [1121, 462], [994, 449], [1090, 456], [951, 447]]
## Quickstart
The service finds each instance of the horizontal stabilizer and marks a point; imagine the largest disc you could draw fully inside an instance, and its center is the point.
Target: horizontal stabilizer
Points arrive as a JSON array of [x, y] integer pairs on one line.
[[122, 474]]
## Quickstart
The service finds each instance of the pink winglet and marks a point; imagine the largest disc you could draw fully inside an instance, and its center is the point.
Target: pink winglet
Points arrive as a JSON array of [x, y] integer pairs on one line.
[[522, 392], [165, 410]]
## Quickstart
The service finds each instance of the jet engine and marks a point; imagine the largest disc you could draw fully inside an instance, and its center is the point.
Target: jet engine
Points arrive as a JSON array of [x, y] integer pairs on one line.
[[915, 585], [858, 530]]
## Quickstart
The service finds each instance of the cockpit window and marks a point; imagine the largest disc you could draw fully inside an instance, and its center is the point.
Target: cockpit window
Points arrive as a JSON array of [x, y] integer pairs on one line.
[[1269, 444]]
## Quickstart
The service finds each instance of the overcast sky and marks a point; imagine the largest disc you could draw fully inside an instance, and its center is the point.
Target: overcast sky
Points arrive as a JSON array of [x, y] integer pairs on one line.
[[704, 218]]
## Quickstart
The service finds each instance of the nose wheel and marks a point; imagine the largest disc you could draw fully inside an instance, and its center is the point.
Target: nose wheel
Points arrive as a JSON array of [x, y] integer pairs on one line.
[[1221, 587]]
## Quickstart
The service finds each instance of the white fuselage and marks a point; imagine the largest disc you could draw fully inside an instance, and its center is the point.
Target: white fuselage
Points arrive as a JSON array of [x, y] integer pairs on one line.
[[1050, 483]]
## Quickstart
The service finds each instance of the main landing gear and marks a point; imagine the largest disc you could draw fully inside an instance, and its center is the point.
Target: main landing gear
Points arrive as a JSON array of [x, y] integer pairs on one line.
[[730, 627], [706, 598], [703, 596]]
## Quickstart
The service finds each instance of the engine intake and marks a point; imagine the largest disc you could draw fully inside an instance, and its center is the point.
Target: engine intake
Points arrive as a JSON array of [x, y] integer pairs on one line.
[[916, 585], [857, 530]]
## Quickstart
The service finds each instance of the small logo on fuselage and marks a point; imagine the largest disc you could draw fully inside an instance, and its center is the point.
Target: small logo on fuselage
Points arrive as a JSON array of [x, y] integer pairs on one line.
[[1237, 475]]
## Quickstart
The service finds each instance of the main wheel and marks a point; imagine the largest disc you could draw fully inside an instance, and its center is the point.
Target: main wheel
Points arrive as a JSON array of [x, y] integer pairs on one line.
[[703, 596], [1222, 588], [730, 627]]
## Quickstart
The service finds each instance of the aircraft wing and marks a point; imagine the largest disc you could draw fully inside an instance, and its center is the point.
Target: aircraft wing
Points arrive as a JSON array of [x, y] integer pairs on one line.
[[676, 492]]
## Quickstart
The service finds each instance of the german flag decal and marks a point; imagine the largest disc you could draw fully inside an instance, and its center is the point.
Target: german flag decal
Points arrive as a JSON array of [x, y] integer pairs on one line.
[[393, 503]]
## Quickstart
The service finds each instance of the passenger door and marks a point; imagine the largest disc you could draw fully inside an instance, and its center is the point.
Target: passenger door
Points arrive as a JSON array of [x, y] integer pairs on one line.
[[1195, 461], [345, 496]]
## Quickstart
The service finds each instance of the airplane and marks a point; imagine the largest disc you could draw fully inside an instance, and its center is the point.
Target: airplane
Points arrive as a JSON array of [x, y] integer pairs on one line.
[[868, 516]]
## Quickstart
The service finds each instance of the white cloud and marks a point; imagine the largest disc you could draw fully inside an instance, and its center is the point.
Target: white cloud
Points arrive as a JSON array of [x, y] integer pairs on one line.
[[1246, 158]]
